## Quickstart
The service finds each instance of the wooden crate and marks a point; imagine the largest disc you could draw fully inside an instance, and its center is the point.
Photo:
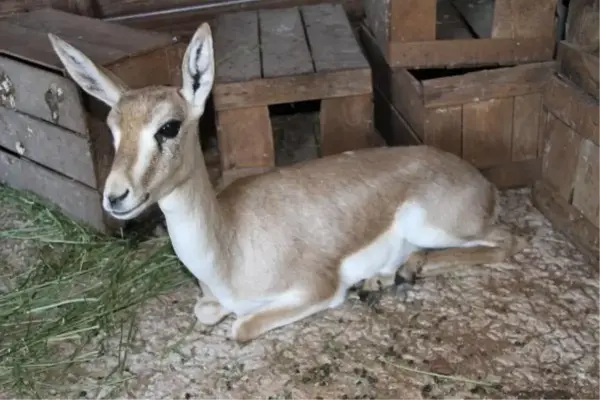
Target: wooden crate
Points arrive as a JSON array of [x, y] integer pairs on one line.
[[53, 138], [451, 33], [283, 56], [567, 193], [489, 117]]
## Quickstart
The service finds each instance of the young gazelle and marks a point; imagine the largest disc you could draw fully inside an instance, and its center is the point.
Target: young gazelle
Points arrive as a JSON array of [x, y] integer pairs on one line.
[[276, 248]]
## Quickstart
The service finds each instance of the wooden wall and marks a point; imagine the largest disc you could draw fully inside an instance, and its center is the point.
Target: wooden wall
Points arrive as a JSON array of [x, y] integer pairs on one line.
[[178, 17]]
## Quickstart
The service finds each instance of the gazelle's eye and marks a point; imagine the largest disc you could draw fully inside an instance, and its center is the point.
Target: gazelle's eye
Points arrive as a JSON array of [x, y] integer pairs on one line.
[[168, 130]]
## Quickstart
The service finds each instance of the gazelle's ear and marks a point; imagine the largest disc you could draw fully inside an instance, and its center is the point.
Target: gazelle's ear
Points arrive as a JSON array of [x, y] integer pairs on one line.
[[86, 74], [198, 69]]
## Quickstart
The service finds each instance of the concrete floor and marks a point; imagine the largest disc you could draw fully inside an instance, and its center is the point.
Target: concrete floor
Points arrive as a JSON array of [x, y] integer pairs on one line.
[[528, 326]]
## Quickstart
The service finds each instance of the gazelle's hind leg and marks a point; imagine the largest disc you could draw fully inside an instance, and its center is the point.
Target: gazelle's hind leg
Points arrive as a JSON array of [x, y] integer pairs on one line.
[[493, 247], [287, 309]]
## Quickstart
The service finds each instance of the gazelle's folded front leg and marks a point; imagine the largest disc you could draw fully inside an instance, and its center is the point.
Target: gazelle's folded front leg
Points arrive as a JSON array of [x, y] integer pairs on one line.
[[208, 310]]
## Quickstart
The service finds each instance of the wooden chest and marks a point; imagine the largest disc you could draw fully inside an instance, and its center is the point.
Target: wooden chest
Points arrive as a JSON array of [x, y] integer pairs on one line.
[[53, 138], [450, 33], [489, 117]]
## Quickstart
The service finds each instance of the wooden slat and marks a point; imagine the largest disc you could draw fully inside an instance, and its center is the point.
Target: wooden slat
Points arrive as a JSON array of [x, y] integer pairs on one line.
[[399, 86], [284, 48], [332, 42], [567, 219], [443, 129], [572, 106], [346, 124], [526, 126], [262, 92], [236, 46], [74, 199], [469, 52], [478, 14], [38, 50], [582, 24], [390, 124], [449, 23], [376, 21], [245, 138], [486, 135], [579, 66], [561, 154], [44, 143], [27, 87], [586, 188], [523, 19], [412, 20], [486, 84], [71, 27]]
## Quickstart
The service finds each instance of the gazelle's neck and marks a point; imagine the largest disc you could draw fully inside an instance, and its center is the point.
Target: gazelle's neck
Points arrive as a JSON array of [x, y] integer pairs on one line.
[[195, 223]]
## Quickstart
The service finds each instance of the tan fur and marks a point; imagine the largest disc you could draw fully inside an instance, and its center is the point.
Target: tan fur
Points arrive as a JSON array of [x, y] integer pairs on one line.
[[281, 246]]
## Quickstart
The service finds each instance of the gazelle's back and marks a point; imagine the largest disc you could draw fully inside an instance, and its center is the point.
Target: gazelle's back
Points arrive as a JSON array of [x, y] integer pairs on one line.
[[326, 209]]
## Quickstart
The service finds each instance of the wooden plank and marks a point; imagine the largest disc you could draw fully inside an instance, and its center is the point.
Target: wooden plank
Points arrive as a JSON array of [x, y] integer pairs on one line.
[[245, 138], [283, 44], [567, 219], [443, 129], [449, 23], [376, 21], [561, 154], [412, 20], [346, 124], [478, 14], [23, 88], [38, 50], [236, 47], [579, 66], [486, 135], [91, 30], [390, 124], [469, 52], [582, 24], [514, 174], [81, 202], [399, 86], [523, 19], [572, 106], [526, 126], [486, 84], [263, 92], [43, 143], [586, 188], [332, 41]]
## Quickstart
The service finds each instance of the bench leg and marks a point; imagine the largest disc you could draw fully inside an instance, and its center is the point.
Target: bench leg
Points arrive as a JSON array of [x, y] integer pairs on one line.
[[245, 141], [347, 124]]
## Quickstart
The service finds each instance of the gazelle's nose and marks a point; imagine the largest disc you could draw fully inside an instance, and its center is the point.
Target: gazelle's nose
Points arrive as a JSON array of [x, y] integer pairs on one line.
[[115, 200]]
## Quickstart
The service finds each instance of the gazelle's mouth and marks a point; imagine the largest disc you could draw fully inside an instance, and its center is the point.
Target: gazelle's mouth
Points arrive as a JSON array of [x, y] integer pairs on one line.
[[131, 210]]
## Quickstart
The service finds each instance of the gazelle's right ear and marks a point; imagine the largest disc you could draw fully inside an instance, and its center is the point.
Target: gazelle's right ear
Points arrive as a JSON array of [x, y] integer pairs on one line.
[[198, 69], [86, 73]]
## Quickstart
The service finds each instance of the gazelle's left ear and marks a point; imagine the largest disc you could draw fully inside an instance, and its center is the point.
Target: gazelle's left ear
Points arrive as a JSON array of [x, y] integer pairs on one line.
[[86, 74], [198, 69]]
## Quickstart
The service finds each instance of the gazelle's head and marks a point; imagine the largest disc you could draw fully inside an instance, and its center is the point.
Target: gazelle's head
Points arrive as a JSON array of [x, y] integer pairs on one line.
[[154, 129]]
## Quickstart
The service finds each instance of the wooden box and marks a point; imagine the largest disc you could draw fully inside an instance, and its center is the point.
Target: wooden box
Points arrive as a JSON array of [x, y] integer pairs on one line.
[[451, 33], [489, 117], [53, 138], [567, 193]]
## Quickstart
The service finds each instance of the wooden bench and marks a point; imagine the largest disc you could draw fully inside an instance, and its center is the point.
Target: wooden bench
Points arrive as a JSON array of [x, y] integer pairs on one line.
[[288, 55]]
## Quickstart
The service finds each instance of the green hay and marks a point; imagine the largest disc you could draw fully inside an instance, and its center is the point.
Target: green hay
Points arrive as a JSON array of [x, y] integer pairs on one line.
[[80, 291]]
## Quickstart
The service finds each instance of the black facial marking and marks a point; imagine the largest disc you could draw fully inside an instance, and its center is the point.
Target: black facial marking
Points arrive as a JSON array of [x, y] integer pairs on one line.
[[168, 130], [196, 74]]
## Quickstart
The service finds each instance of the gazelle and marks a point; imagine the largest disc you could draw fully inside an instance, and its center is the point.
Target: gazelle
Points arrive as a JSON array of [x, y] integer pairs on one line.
[[278, 247]]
